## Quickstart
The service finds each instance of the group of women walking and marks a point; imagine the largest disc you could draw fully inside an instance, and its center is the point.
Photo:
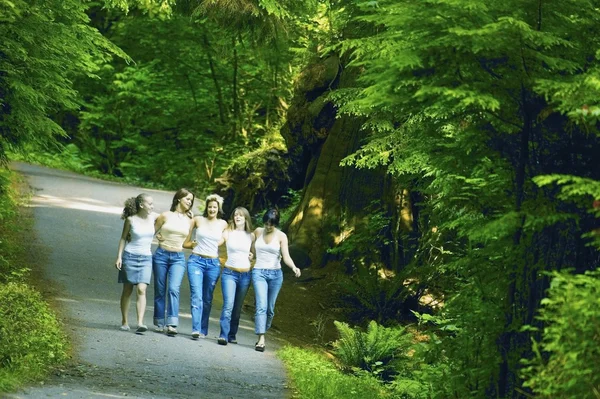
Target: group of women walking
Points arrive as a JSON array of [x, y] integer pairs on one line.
[[177, 229]]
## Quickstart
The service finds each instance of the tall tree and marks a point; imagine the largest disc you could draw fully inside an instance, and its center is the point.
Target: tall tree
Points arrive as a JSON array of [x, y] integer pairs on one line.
[[45, 45], [468, 101]]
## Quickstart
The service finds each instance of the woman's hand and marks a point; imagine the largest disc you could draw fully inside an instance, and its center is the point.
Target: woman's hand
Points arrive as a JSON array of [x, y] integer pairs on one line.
[[159, 237], [296, 271], [118, 264]]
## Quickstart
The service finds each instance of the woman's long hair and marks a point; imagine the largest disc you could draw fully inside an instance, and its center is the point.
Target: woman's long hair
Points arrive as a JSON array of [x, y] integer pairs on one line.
[[132, 205], [182, 193], [246, 214]]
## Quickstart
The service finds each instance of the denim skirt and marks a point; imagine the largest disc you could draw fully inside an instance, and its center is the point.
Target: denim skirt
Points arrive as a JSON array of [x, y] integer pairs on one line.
[[136, 269]]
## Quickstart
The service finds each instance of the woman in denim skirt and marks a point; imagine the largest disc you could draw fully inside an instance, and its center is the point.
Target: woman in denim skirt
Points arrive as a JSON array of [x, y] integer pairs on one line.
[[203, 265], [168, 261], [236, 276], [134, 256], [271, 246]]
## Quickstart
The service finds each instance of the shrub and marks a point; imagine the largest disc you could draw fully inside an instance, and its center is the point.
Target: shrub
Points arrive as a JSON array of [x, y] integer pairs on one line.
[[376, 351], [30, 335], [314, 376], [371, 295], [566, 360]]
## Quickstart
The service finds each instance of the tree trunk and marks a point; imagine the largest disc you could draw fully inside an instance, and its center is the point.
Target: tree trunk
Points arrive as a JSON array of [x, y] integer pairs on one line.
[[213, 74], [333, 196]]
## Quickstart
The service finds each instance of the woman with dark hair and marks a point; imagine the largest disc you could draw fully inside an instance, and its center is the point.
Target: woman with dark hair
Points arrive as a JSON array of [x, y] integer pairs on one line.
[[271, 246], [236, 276], [203, 266], [173, 227], [134, 256]]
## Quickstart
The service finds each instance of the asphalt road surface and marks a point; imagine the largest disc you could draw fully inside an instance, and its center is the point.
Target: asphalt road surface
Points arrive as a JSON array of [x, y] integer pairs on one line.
[[77, 228]]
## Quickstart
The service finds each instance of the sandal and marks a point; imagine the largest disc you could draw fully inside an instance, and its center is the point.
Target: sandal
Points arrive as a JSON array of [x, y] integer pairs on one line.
[[141, 329], [259, 347], [171, 331], [124, 327]]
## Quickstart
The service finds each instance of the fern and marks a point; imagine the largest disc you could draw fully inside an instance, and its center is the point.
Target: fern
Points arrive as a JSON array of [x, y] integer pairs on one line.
[[374, 351], [571, 186]]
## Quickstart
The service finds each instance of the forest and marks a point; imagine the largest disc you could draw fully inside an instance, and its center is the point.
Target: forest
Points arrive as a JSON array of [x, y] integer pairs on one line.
[[438, 160]]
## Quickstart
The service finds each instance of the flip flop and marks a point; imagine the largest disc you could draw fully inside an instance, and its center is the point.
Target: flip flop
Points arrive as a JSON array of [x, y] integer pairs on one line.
[[259, 348], [141, 329], [171, 331]]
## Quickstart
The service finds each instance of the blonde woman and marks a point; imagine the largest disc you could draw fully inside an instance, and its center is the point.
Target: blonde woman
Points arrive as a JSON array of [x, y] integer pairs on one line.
[[203, 266]]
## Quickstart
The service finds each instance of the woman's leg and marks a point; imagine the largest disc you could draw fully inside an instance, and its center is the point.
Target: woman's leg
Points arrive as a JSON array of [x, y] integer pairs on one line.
[[176, 272], [261, 287], [195, 278], [160, 268], [275, 281], [211, 276], [228, 287], [125, 299], [141, 303], [243, 284]]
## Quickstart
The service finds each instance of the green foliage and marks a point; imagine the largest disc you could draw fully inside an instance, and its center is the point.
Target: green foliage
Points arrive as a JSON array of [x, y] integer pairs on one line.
[[30, 335], [375, 350], [70, 157], [12, 224], [289, 202], [31, 340], [465, 103], [565, 361], [571, 186], [45, 45], [362, 243], [371, 294], [315, 377], [154, 8], [247, 183]]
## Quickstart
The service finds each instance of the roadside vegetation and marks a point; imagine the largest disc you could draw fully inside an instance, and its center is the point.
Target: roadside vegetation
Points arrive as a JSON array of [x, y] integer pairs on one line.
[[436, 163], [32, 341]]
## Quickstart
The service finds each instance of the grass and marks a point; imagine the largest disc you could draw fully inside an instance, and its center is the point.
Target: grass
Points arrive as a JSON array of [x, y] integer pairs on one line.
[[315, 376], [31, 337]]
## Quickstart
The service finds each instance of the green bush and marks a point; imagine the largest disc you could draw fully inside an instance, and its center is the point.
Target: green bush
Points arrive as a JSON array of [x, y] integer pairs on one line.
[[314, 376], [30, 336], [377, 351], [371, 295], [567, 359]]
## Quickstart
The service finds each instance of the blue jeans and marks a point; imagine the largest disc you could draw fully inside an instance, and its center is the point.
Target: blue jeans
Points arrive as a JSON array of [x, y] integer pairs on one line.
[[169, 268], [234, 286], [266, 283], [203, 274]]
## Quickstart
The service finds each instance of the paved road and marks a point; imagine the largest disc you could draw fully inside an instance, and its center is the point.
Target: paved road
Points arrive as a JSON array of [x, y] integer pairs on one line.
[[78, 228]]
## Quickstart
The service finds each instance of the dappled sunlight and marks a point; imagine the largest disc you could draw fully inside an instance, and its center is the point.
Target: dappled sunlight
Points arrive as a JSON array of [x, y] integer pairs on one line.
[[82, 204], [66, 300], [315, 206], [344, 233]]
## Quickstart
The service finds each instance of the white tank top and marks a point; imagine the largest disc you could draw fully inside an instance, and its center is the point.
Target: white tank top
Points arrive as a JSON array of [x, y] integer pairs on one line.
[[268, 256], [175, 230], [208, 238], [238, 249], [141, 232]]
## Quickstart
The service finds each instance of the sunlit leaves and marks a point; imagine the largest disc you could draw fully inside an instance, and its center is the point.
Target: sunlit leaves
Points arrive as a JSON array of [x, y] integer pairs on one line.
[[42, 52]]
